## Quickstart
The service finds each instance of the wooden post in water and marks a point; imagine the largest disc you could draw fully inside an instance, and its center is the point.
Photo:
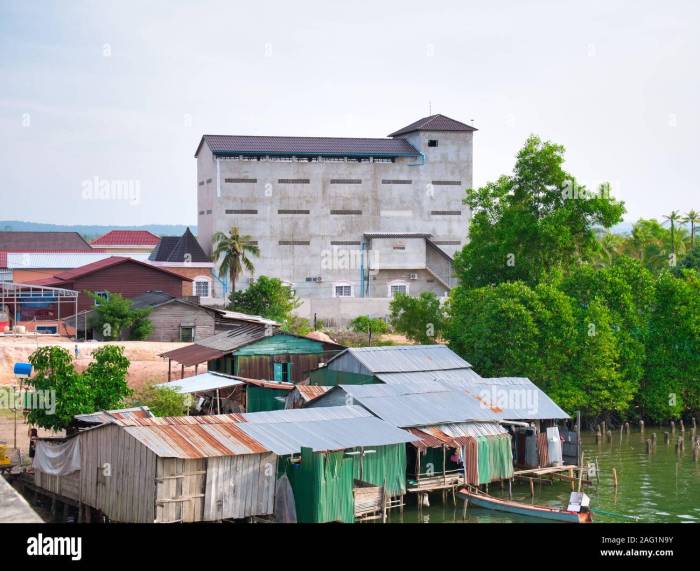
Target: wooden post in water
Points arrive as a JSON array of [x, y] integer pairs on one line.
[[627, 427], [682, 425], [598, 437], [673, 427], [641, 426], [609, 435], [667, 438], [614, 475], [532, 487], [653, 439], [696, 452], [649, 448]]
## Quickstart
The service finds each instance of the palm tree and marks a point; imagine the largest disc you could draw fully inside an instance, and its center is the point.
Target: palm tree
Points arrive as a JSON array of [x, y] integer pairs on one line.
[[233, 249], [692, 218], [673, 218]]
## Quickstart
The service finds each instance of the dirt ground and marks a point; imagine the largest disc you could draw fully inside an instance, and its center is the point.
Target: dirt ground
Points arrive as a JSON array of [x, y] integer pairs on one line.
[[146, 366]]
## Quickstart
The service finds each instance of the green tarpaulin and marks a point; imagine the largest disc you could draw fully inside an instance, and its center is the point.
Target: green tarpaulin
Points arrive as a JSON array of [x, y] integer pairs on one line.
[[383, 466], [322, 486]]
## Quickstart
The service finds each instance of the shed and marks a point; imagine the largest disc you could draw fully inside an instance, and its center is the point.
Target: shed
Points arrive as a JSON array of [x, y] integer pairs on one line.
[[459, 438], [364, 365], [257, 351], [227, 393]]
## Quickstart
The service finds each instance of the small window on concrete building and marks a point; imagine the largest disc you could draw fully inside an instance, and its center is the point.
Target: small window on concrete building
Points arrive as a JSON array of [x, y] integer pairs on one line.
[[187, 333], [432, 143], [342, 290], [201, 286], [398, 287]]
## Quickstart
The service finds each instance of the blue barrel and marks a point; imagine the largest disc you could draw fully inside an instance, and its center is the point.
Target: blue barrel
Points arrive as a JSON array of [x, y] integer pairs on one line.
[[23, 369]]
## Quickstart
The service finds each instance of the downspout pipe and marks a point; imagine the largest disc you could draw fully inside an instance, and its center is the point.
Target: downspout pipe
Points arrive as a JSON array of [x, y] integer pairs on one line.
[[421, 163]]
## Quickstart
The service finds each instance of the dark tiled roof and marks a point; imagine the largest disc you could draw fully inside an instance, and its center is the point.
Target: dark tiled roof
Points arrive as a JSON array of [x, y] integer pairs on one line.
[[434, 123], [41, 241], [174, 249], [162, 250], [227, 145], [126, 238]]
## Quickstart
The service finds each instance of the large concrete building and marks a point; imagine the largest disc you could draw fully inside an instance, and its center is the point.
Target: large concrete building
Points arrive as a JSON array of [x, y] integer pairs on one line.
[[343, 217]]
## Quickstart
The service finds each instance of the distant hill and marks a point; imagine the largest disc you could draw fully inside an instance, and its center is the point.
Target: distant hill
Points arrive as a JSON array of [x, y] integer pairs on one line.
[[93, 231]]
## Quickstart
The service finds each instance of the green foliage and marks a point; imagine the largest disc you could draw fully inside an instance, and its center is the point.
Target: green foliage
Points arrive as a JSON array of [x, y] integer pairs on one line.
[[232, 250], [370, 326], [265, 296], [691, 261], [673, 348], [297, 325], [420, 318], [102, 386], [162, 401], [532, 222], [115, 315], [107, 376]]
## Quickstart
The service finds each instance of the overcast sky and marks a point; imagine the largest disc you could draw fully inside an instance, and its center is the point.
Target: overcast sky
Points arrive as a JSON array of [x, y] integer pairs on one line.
[[124, 90]]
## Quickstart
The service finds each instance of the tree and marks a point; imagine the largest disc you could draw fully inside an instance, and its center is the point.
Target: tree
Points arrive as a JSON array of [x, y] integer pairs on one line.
[[107, 376], [232, 250], [531, 222], [102, 386], [369, 325], [692, 218], [265, 296], [691, 261], [420, 318], [673, 218], [162, 401], [114, 316], [673, 348], [297, 325]]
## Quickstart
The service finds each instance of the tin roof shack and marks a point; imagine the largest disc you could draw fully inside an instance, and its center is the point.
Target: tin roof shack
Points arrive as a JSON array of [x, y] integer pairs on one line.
[[343, 463], [209, 468], [256, 351], [459, 438], [216, 393], [365, 365], [146, 470]]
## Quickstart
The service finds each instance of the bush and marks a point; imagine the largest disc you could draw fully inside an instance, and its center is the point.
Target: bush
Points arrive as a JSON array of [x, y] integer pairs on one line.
[[162, 401]]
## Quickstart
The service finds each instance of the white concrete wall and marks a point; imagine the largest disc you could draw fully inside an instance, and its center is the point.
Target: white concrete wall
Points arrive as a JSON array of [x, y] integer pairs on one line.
[[333, 251]]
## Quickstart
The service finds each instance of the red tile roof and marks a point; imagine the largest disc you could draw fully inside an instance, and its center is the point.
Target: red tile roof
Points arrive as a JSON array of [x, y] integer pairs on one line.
[[127, 238], [70, 275], [434, 123]]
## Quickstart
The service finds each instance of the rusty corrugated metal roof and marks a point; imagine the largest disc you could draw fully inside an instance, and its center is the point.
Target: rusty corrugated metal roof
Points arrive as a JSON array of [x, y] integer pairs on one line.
[[196, 440], [310, 392]]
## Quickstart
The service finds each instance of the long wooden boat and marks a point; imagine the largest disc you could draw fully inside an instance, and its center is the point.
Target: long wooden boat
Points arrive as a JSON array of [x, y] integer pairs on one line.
[[488, 502]]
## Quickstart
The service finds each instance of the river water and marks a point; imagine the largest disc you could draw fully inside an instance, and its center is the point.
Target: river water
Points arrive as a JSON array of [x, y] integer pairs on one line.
[[657, 488]]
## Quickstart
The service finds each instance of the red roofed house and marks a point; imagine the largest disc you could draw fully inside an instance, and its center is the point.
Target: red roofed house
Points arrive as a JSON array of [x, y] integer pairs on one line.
[[119, 241], [116, 274]]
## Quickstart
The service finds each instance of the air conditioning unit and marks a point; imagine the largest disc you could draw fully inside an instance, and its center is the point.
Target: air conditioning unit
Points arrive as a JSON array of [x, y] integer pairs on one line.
[[318, 279], [412, 276]]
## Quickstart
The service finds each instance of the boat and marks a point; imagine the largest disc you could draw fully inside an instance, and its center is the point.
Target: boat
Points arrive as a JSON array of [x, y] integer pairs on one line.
[[482, 500]]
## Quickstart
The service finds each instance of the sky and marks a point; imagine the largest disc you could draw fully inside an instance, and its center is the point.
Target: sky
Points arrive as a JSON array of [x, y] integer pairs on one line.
[[95, 91]]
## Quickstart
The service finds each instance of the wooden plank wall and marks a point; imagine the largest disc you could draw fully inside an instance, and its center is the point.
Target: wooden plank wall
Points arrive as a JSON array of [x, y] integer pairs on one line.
[[168, 318], [180, 490], [240, 486], [68, 486], [118, 475]]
